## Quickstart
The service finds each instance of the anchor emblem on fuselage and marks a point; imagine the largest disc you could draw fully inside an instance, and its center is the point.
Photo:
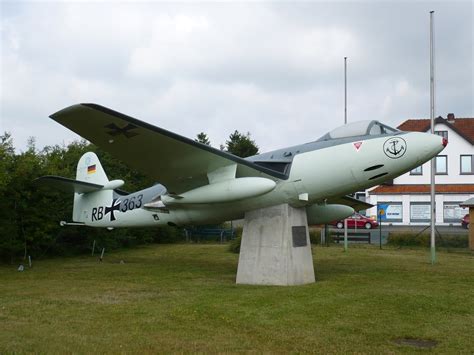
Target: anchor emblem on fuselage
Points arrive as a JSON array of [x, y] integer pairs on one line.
[[394, 147]]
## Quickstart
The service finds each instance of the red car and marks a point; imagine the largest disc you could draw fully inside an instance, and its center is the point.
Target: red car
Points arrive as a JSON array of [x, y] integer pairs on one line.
[[465, 221], [357, 221]]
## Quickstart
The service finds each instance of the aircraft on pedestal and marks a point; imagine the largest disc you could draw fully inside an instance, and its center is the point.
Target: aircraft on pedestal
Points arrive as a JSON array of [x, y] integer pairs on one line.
[[202, 185]]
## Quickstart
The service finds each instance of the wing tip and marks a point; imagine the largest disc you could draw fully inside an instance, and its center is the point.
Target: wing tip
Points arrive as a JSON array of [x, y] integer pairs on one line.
[[56, 115]]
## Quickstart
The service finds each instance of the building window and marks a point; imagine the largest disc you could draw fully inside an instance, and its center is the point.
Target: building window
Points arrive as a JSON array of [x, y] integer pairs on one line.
[[417, 171], [467, 164], [420, 211], [441, 165], [443, 134], [452, 212]]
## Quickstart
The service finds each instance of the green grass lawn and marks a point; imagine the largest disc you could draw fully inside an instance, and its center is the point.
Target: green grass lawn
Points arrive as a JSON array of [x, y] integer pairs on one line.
[[184, 298]]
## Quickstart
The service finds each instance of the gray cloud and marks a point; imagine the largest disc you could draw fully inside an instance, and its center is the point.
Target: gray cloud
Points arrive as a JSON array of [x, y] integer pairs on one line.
[[274, 69]]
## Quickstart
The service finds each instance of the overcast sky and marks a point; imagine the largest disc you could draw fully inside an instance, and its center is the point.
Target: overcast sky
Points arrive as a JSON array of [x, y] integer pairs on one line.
[[274, 69]]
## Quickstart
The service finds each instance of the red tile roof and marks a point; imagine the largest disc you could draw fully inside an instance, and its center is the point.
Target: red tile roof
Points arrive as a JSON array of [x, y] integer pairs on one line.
[[463, 126], [423, 189]]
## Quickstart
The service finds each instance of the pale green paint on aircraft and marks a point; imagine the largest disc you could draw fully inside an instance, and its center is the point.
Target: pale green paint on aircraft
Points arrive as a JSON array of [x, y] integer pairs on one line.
[[204, 185]]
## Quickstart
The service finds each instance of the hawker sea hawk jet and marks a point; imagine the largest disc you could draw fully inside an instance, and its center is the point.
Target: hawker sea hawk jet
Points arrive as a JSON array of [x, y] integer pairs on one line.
[[202, 185]]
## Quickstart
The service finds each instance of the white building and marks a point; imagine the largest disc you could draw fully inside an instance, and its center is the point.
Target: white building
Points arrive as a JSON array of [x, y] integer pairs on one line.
[[406, 201]]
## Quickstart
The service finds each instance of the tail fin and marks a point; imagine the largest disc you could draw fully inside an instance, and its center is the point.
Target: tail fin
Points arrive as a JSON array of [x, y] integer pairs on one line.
[[91, 188], [89, 169]]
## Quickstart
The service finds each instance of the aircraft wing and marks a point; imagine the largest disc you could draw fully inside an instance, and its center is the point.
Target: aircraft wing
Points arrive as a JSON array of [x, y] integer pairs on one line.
[[356, 204], [177, 162]]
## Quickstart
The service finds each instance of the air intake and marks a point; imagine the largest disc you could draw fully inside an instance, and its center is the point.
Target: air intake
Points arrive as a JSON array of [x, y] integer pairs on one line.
[[373, 167], [377, 176]]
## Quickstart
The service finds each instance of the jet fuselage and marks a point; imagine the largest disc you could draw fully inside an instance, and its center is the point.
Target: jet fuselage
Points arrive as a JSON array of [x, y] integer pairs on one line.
[[316, 172]]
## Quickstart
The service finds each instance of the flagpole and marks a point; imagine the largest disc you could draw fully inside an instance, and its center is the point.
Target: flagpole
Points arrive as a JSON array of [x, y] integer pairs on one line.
[[345, 122], [345, 90], [432, 114]]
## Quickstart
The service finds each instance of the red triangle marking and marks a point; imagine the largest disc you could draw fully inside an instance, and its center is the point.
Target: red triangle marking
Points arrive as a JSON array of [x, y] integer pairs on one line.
[[357, 145]]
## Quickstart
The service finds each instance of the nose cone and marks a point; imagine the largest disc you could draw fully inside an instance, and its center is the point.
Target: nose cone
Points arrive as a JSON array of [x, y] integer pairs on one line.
[[427, 145], [436, 143]]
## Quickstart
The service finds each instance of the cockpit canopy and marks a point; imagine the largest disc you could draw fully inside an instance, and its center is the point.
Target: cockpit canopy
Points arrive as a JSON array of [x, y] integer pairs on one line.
[[359, 128]]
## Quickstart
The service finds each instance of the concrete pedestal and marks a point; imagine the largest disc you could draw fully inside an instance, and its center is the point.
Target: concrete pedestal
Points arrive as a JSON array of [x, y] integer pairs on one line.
[[275, 248]]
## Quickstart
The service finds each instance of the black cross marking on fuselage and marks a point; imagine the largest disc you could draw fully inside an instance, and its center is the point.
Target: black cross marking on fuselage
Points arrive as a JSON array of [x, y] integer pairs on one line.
[[112, 209], [116, 130]]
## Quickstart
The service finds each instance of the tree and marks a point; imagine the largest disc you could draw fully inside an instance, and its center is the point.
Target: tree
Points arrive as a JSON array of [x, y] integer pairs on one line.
[[241, 145], [29, 214], [7, 153], [203, 138], [8, 228]]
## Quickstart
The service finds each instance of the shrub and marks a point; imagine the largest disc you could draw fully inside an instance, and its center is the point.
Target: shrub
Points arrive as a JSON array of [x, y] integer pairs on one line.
[[167, 234], [408, 239], [423, 240], [453, 241], [315, 235], [234, 245]]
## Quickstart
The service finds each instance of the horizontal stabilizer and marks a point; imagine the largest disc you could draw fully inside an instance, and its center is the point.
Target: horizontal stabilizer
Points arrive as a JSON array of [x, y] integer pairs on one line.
[[68, 185]]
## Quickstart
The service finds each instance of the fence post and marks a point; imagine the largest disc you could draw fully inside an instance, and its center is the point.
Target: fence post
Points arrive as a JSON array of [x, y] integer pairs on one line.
[[93, 248], [380, 230]]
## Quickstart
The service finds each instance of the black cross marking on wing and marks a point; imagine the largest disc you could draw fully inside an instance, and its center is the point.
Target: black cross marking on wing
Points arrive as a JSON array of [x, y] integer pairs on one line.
[[116, 130]]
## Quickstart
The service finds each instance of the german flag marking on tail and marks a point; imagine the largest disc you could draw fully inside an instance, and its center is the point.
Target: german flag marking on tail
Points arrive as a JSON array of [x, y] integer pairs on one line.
[[91, 169]]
